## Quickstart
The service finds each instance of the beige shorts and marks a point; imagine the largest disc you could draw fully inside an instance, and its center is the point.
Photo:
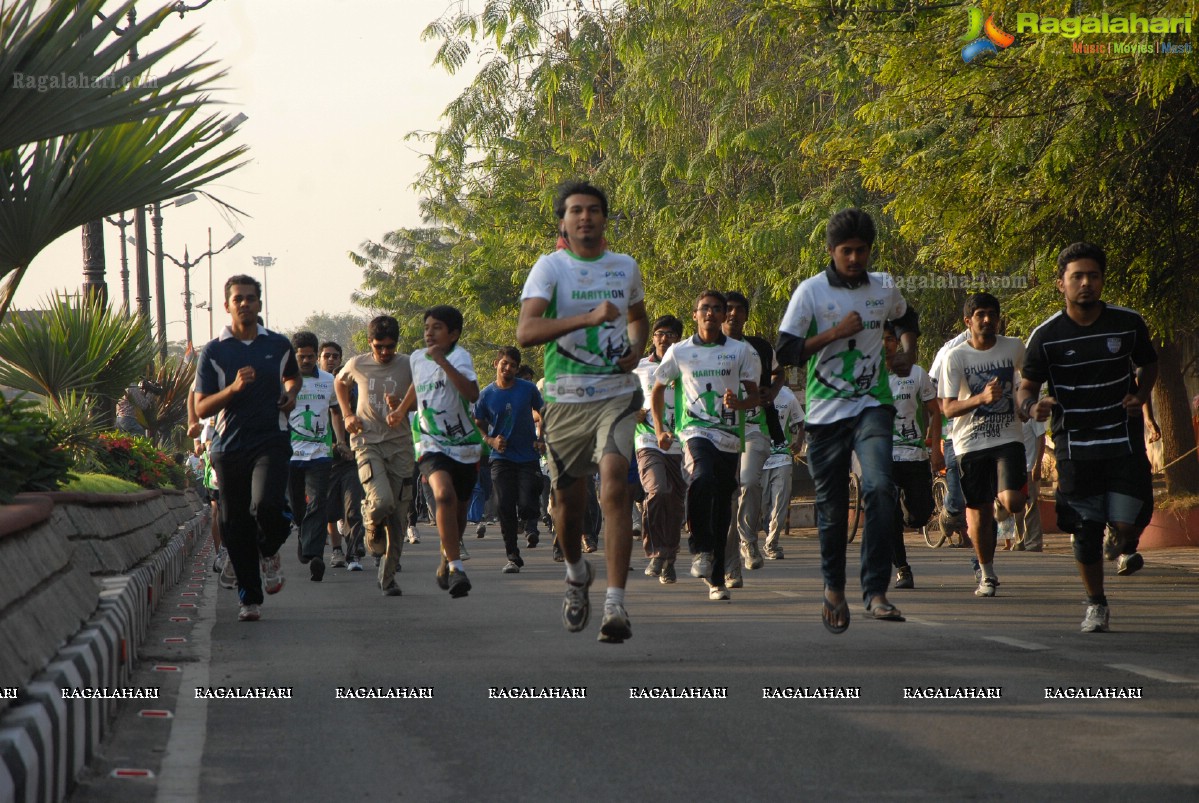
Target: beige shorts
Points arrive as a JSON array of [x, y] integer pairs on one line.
[[578, 435]]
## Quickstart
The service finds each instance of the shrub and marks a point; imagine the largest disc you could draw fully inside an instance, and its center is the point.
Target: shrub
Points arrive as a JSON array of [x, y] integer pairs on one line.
[[33, 458], [134, 458]]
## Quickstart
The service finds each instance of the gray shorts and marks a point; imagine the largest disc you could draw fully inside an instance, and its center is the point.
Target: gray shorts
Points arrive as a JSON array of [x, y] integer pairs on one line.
[[578, 435]]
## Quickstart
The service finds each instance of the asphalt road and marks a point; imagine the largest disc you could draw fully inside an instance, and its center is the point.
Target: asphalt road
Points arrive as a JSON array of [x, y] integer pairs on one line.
[[464, 744]]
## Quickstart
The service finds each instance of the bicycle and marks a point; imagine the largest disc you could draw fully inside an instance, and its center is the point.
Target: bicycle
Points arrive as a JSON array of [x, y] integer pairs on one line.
[[855, 506], [933, 533]]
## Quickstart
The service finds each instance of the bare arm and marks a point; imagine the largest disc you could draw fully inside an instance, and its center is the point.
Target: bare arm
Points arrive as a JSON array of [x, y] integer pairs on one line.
[[209, 404], [990, 394], [657, 398]]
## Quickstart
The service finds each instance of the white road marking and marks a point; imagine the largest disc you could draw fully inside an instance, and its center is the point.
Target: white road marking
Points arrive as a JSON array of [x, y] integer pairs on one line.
[[786, 593], [925, 622], [1155, 674], [1015, 642]]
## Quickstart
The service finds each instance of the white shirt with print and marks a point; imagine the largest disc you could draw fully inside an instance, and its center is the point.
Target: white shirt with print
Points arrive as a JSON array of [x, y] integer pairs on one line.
[[848, 375], [581, 366], [443, 416], [911, 393], [647, 437], [309, 421], [704, 371], [966, 372], [790, 416]]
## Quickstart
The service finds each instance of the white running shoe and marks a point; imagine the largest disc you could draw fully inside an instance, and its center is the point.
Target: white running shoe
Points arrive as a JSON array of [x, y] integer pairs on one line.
[[1096, 620]]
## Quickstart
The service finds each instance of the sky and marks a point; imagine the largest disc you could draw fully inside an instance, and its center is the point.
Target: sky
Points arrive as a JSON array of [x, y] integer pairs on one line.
[[331, 88]]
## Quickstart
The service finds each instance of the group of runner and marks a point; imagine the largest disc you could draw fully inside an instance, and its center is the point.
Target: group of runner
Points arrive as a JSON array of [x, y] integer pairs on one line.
[[706, 423]]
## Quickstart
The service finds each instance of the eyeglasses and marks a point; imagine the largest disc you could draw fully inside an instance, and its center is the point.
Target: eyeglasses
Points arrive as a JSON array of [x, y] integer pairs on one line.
[[709, 308], [666, 334]]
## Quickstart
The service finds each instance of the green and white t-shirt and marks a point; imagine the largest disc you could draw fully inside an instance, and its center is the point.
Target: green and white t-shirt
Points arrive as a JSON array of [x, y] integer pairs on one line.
[[911, 393], [581, 366], [311, 437], [443, 416], [790, 416], [647, 438], [704, 371], [848, 375]]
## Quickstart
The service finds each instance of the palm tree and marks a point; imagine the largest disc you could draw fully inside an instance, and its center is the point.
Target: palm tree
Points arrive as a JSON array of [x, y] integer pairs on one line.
[[69, 155]]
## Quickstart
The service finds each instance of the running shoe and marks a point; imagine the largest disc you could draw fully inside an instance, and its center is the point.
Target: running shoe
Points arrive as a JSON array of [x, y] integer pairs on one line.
[[576, 608], [986, 587], [1129, 564], [904, 579], [589, 544], [392, 589], [772, 552], [701, 565], [337, 558], [719, 592], [228, 577], [353, 565], [481, 530], [668, 576], [218, 562], [750, 556], [316, 569], [732, 577], [443, 574], [272, 574], [558, 556], [532, 538], [413, 537], [1096, 620], [248, 613], [615, 628], [459, 583], [462, 552], [510, 568], [654, 568]]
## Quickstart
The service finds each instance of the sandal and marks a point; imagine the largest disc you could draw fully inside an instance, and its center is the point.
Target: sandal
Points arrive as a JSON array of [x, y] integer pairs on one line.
[[830, 611], [885, 612]]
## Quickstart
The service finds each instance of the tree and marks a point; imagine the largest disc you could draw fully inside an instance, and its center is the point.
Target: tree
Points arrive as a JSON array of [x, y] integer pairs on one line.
[[348, 329], [71, 154]]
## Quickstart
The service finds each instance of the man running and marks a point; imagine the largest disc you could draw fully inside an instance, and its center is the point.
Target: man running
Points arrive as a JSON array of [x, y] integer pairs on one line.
[[248, 378], [587, 305], [1089, 354]]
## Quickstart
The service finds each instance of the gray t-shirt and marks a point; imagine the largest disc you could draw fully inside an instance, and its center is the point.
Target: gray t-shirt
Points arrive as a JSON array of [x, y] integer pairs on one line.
[[375, 381]]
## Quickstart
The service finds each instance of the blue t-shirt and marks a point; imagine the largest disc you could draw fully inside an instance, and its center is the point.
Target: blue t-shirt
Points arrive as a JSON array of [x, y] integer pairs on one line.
[[509, 412], [252, 416]]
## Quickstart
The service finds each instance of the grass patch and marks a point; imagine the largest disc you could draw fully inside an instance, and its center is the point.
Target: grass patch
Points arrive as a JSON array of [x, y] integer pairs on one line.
[[1178, 502], [102, 484]]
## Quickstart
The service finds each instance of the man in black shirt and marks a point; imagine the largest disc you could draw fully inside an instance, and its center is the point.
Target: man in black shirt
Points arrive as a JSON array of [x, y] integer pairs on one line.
[[1089, 354]]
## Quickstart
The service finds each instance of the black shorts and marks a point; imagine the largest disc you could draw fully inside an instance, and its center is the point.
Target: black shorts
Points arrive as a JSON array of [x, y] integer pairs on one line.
[[988, 471], [462, 475], [214, 494], [1114, 489]]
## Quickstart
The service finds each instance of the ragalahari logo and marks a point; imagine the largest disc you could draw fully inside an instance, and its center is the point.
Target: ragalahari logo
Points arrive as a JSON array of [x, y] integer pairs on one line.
[[984, 37]]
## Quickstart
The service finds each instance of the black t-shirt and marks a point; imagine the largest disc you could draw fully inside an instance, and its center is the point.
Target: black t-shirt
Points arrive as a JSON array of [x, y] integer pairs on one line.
[[1090, 369]]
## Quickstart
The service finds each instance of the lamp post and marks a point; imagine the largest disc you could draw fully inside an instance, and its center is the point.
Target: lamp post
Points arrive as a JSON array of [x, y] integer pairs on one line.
[[187, 264], [122, 224], [156, 220], [264, 263]]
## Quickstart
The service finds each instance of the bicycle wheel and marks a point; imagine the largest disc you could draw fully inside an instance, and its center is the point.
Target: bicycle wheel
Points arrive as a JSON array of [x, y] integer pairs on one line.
[[934, 536], [855, 506]]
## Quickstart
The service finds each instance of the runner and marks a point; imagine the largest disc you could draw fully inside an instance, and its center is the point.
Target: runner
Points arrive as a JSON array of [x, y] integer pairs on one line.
[[311, 453], [715, 379], [383, 452], [505, 412], [977, 387], [344, 497], [1089, 353], [834, 323], [248, 378], [661, 470], [444, 386], [778, 468], [587, 305]]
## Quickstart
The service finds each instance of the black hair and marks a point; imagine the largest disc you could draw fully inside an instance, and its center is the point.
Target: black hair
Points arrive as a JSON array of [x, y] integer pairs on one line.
[[384, 327], [511, 352], [738, 297], [1077, 251], [713, 294], [241, 278], [524, 372], [889, 328], [330, 344], [301, 340], [450, 316], [849, 224], [668, 322], [979, 301], [578, 188]]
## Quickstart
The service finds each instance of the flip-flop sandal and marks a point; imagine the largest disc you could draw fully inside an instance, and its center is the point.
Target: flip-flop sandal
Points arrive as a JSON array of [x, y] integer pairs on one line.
[[886, 612], [829, 611]]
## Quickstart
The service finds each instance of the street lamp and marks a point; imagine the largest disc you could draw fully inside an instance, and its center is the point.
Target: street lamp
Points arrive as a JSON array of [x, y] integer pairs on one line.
[[156, 220], [264, 263], [121, 223], [187, 264]]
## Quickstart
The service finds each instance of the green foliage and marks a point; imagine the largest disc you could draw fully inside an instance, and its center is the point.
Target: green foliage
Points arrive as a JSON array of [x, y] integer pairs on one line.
[[347, 329], [101, 484], [76, 428], [138, 460], [33, 459], [74, 345], [167, 411]]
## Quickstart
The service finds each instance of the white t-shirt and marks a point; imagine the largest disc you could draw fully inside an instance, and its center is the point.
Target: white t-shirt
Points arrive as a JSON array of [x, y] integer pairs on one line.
[[790, 416], [934, 373], [1032, 430], [704, 371], [443, 416], [581, 366], [309, 421], [647, 437], [848, 375], [910, 393], [965, 373]]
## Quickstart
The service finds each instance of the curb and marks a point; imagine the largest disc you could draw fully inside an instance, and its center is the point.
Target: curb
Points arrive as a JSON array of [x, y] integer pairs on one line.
[[45, 740]]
